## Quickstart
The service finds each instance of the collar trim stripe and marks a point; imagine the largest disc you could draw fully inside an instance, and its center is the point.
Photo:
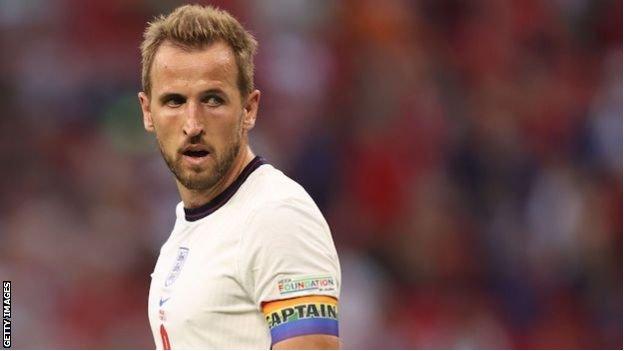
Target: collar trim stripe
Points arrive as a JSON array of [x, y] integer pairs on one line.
[[194, 214]]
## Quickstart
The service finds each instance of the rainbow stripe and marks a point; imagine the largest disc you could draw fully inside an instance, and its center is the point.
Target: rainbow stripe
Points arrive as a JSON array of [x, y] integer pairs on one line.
[[301, 316]]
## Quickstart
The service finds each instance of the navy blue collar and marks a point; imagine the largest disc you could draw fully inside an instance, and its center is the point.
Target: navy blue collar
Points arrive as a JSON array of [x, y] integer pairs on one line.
[[197, 213]]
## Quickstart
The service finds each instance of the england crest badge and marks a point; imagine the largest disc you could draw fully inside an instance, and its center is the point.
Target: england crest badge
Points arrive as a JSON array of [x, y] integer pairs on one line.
[[177, 266]]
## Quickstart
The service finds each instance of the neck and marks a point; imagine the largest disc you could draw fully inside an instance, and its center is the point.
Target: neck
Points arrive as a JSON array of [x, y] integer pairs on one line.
[[196, 198]]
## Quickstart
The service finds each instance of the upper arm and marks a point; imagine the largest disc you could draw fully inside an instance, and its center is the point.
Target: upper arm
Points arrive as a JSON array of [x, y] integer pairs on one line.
[[287, 252], [293, 275]]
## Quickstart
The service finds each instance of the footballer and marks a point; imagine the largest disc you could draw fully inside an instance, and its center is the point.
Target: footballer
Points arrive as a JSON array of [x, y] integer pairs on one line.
[[250, 262]]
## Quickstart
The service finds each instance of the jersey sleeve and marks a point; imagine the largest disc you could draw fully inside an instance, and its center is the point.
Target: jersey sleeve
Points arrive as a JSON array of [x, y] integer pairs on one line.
[[291, 269], [288, 252]]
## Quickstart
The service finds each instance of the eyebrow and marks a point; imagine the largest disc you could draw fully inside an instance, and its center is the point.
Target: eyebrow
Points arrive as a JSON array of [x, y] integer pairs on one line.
[[163, 98]]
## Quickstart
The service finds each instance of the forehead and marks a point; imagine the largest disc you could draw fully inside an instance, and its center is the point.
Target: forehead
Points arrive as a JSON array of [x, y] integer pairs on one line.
[[177, 68]]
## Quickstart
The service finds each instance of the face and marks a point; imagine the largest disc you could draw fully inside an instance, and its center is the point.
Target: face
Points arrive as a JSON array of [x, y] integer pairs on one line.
[[197, 112]]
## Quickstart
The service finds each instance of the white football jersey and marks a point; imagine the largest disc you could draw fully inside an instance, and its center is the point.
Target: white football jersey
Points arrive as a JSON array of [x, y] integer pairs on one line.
[[263, 239]]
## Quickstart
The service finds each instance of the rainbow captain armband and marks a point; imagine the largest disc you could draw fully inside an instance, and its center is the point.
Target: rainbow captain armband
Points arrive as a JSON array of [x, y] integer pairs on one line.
[[301, 316]]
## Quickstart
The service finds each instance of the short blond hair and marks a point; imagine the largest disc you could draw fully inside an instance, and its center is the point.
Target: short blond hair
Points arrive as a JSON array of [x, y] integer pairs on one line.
[[194, 27]]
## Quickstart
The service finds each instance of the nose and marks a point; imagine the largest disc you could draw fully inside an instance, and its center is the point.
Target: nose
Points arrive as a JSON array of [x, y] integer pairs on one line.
[[192, 124]]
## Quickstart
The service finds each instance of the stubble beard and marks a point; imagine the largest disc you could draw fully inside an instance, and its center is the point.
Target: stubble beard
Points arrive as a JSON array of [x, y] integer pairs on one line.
[[198, 179]]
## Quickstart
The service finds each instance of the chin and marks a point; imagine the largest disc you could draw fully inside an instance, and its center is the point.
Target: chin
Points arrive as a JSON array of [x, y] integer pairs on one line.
[[196, 181]]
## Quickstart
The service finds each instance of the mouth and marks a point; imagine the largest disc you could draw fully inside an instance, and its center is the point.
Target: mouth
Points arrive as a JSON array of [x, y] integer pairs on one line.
[[195, 154]]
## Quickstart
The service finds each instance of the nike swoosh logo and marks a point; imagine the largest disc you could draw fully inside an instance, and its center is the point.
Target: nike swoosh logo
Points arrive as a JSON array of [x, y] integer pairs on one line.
[[162, 301]]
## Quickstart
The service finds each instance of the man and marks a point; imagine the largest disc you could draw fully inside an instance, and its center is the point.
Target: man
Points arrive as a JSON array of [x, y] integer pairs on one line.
[[250, 262]]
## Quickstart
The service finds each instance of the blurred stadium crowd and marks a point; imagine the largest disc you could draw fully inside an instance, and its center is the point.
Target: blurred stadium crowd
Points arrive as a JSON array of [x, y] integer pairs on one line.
[[467, 155]]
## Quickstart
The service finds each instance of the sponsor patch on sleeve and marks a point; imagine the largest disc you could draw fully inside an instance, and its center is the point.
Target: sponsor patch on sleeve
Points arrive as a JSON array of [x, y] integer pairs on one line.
[[310, 284], [301, 316]]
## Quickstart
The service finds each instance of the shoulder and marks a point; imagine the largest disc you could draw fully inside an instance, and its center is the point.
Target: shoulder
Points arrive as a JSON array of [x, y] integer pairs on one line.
[[282, 221], [272, 196], [282, 216], [269, 184]]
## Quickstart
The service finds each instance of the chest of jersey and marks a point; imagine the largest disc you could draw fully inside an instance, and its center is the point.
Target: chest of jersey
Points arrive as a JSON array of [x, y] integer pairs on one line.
[[196, 295]]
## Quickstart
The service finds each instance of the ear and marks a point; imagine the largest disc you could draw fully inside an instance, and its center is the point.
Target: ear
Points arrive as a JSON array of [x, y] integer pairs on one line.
[[251, 110], [144, 100]]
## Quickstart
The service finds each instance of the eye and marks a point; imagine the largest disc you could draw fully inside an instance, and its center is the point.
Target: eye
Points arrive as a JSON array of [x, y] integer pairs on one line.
[[213, 100], [175, 101]]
